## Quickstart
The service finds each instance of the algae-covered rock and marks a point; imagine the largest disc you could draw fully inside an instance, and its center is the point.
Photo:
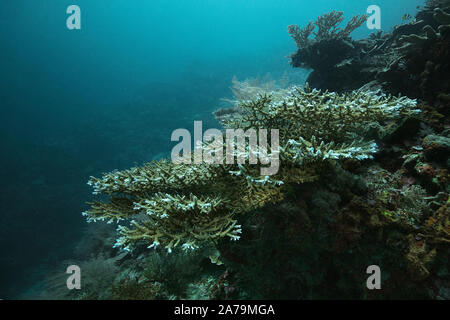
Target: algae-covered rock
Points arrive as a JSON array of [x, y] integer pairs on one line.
[[436, 147]]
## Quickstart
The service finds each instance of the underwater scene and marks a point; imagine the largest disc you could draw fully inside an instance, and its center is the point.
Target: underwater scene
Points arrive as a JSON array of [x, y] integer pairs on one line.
[[225, 150]]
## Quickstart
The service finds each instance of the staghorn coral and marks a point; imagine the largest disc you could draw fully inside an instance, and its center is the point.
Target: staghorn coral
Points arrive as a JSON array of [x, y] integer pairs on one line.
[[185, 205], [328, 51], [411, 60], [327, 29], [301, 35]]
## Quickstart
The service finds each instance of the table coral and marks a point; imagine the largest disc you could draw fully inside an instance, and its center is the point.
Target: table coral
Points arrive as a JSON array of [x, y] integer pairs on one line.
[[184, 205]]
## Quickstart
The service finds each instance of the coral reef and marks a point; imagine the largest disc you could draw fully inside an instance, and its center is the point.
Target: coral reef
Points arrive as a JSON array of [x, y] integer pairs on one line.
[[421, 53], [328, 29], [363, 180], [140, 275], [329, 50], [411, 60], [315, 244], [179, 204], [98, 277]]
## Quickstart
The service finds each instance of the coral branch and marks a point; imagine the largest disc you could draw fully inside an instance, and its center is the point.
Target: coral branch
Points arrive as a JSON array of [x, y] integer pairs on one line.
[[327, 29]]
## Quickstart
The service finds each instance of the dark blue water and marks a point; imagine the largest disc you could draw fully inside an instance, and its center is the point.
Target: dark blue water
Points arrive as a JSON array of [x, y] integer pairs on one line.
[[81, 102]]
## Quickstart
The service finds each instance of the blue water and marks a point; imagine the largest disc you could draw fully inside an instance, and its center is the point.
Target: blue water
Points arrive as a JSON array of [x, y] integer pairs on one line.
[[81, 102]]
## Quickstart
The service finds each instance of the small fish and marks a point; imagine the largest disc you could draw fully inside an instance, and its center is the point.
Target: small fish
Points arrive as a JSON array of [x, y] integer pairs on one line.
[[406, 16]]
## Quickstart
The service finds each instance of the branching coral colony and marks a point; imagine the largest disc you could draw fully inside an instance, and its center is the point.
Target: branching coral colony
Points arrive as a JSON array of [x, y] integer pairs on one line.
[[185, 205], [313, 45], [328, 29]]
